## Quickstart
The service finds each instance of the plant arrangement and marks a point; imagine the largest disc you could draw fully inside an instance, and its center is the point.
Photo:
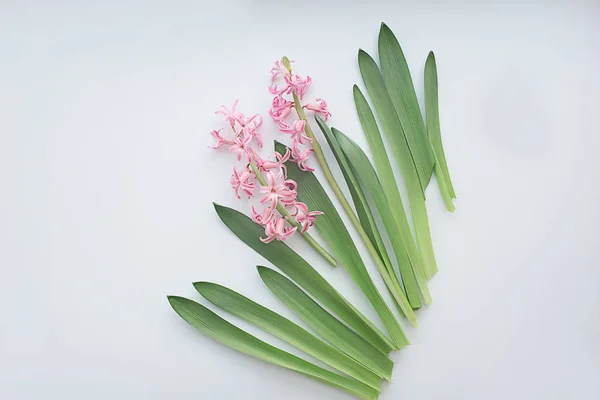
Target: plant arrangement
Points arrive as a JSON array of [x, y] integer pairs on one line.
[[285, 198]]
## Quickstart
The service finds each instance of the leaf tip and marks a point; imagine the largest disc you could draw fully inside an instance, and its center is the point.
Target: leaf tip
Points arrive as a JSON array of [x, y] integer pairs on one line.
[[199, 284], [173, 299]]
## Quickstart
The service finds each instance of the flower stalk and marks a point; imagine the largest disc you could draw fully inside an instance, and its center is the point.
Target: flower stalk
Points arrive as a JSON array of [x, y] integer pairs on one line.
[[320, 156], [282, 214], [292, 221]]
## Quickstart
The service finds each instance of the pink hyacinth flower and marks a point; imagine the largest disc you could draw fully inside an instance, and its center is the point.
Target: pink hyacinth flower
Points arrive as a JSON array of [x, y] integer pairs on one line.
[[304, 217], [240, 181], [264, 218], [300, 157], [219, 140], [241, 146], [296, 130], [277, 230], [250, 127], [297, 84], [276, 90], [279, 69], [320, 108], [231, 115], [278, 189], [280, 108], [266, 165]]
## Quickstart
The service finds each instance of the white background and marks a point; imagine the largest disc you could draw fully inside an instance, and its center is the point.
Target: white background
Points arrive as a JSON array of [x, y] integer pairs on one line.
[[107, 184]]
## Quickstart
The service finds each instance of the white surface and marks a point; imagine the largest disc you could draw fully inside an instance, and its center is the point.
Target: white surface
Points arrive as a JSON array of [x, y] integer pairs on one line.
[[105, 114]]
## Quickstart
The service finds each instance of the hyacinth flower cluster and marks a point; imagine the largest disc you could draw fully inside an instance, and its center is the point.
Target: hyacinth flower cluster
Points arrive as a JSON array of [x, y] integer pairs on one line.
[[279, 211], [288, 112]]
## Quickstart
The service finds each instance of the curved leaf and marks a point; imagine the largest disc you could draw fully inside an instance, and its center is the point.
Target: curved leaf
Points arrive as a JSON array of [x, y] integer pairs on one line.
[[393, 129], [288, 261], [368, 222], [222, 331], [402, 240], [433, 130], [325, 324], [285, 329], [396, 75], [334, 233]]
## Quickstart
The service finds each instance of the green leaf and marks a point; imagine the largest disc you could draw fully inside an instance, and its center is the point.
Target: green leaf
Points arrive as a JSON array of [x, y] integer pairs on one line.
[[326, 325], [402, 92], [433, 130], [369, 224], [395, 223], [224, 332], [358, 197], [288, 261], [286, 330], [334, 233], [393, 129], [390, 189]]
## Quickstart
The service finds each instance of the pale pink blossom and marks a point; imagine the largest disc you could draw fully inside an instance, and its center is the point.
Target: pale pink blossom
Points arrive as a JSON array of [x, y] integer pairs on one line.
[[266, 165], [320, 108], [279, 69], [296, 130], [264, 218], [280, 108], [304, 217], [301, 156], [250, 127], [241, 146], [231, 115], [297, 84], [240, 181], [219, 140], [277, 90], [278, 189], [277, 230]]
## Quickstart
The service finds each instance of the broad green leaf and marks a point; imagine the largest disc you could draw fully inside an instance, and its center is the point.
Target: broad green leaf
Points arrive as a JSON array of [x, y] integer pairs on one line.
[[286, 330], [395, 223], [368, 222], [433, 129], [228, 334], [334, 233], [393, 129], [326, 325], [288, 261], [389, 186], [402, 92]]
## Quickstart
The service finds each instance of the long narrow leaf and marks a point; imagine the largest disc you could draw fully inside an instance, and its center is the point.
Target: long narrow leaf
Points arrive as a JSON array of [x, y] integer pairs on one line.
[[358, 197], [369, 224], [402, 92], [412, 276], [393, 129], [334, 233], [325, 324], [288, 261], [433, 129], [285, 329], [222, 331], [388, 183]]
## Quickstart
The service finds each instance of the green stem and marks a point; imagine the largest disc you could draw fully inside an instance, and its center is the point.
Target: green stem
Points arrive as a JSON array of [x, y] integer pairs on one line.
[[393, 286], [292, 221]]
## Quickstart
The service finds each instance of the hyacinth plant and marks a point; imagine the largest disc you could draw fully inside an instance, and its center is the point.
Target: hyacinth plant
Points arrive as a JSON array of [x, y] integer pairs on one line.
[[288, 111], [288, 199], [282, 214]]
